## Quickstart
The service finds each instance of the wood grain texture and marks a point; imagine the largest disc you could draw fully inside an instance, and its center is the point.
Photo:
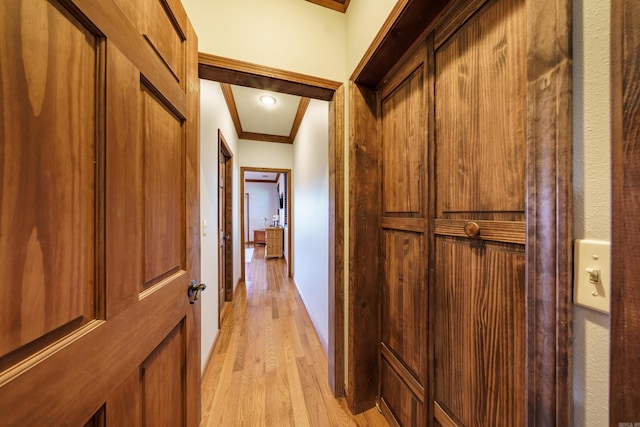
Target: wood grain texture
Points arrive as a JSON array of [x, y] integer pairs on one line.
[[403, 146], [336, 244], [399, 405], [544, 203], [163, 189], [48, 149], [124, 204], [404, 302], [115, 26], [268, 366], [624, 400], [364, 249], [481, 114], [406, 22], [163, 379], [160, 30], [103, 67], [364, 244], [453, 19], [479, 337], [549, 212], [242, 73], [498, 231], [192, 220], [338, 5]]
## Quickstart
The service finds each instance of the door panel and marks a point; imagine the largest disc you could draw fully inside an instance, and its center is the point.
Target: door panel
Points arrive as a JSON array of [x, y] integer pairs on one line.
[[408, 409], [162, 379], [404, 297], [479, 339], [404, 145], [480, 116], [164, 188], [98, 216], [479, 310], [403, 314], [47, 194]]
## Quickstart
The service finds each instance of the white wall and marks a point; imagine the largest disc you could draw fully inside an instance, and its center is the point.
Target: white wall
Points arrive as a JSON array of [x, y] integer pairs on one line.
[[257, 154], [592, 203], [213, 116], [364, 20], [262, 204], [311, 215], [292, 35]]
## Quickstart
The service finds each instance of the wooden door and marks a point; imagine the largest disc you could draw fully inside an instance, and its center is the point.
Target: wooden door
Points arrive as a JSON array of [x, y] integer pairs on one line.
[[479, 284], [225, 249], [98, 214], [404, 229], [222, 253], [624, 396]]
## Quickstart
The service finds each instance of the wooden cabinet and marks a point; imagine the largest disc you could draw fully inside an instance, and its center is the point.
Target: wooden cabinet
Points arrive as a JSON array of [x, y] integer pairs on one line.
[[259, 236], [274, 242]]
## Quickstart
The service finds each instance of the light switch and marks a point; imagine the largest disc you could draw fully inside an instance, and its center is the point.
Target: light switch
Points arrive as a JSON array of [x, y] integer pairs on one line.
[[204, 227], [591, 274]]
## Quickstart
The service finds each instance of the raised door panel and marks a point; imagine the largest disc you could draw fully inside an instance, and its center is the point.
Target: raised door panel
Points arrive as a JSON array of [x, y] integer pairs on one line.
[[408, 409], [162, 380], [480, 332], [404, 314], [403, 291], [162, 30], [48, 190], [481, 116], [403, 146], [163, 188]]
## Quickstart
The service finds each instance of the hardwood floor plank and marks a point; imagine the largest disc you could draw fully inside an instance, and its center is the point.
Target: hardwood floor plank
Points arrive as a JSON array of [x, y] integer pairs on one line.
[[268, 367]]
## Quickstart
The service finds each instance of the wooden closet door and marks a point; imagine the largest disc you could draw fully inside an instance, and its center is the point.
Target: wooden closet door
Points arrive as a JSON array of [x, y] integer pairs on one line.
[[479, 326], [98, 214], [403, 378]]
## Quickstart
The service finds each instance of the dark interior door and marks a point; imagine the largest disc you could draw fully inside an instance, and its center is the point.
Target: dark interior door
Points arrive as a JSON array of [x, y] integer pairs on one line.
[[403, 379], [479, 326]]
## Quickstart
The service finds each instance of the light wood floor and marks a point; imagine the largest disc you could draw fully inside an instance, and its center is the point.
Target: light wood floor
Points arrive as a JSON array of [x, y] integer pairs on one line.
[[268, 367]]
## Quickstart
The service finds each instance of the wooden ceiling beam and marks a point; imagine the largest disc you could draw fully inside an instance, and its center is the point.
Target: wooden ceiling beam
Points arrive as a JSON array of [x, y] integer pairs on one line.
[[225, 70]]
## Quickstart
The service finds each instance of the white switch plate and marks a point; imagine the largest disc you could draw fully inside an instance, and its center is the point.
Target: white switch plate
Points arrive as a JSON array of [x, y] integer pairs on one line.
[[204, 227], [592, 254]]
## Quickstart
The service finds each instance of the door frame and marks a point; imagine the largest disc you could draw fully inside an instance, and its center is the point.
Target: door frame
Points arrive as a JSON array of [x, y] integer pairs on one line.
[[223, 149], [225, 70], [290, 220], [548, 198], [624, 394]]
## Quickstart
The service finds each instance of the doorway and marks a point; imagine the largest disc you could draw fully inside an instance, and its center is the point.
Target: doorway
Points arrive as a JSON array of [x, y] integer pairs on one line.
[[225, 246], [224, 70], [270, 208]]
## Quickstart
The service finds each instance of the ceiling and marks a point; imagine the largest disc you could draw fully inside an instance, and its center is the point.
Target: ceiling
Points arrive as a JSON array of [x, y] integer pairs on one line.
[[256, 121], [261, 176]]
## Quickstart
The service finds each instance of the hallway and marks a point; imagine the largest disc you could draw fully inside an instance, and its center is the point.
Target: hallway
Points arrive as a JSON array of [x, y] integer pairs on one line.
[[268, 367]]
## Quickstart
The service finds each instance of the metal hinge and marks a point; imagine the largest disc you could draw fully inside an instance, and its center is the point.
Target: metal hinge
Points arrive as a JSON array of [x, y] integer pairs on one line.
[[378, 404]]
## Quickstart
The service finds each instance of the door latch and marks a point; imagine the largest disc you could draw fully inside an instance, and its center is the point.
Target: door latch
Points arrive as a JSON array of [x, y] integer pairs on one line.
[[194, 291]]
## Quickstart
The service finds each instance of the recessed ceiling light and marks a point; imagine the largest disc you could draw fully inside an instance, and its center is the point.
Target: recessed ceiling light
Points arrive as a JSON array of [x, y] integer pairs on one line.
[[267, 100]]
